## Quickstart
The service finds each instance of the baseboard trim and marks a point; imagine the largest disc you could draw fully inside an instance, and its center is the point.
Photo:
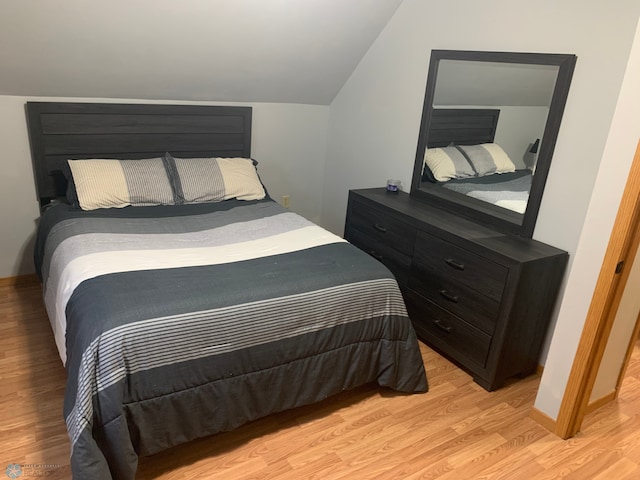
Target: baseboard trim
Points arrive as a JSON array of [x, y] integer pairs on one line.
[[600, 402], [543, 419], [19, 280]]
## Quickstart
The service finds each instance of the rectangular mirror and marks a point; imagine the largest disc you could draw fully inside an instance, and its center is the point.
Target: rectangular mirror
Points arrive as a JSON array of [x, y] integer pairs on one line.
[[490, 121]]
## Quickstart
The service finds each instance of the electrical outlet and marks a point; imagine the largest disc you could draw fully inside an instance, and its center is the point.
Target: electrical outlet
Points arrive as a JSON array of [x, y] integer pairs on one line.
[[286, 201]]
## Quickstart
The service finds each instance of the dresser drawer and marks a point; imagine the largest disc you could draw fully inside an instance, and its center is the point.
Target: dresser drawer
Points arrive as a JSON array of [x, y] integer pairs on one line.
[[457, 266], [397, 262], [477, 309], [381, 227], [447, 332]]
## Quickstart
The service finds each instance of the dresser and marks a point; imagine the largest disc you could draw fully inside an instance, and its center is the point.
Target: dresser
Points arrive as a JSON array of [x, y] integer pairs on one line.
[[480, 297]]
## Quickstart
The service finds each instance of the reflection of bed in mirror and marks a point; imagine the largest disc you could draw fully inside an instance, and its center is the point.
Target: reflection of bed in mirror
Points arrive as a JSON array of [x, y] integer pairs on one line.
[[462, 156]]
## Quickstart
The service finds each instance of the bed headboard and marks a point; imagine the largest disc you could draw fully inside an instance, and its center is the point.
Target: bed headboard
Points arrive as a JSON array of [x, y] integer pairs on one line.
[[61, 131], [462, 126]]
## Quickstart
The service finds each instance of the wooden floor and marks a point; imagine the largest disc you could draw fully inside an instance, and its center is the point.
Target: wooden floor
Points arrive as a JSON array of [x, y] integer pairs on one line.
[[455, 431]]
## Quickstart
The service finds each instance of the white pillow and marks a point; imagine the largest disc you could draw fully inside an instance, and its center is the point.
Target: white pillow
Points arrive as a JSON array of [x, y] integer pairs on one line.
[[201, 180], [107, 183], [447, 163]]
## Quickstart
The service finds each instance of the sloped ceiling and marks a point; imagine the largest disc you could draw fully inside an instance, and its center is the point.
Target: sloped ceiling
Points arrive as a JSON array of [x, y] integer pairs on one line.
[[297, 51]]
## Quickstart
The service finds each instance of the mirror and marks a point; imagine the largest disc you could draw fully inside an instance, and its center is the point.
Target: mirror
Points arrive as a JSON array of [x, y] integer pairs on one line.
[[490, 121]]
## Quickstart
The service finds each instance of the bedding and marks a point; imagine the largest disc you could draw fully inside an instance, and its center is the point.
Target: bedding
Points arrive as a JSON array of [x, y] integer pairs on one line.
[[108, 183], [443, 164], [177, 322], [465, 161], [507, 190], [197, 180], [487, 159]]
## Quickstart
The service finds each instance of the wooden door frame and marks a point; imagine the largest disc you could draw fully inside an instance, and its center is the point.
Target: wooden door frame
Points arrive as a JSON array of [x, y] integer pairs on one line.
[[623, 244]]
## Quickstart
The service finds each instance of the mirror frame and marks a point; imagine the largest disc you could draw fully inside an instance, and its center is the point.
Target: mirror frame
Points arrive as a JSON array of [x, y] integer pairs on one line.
[[474, 209]]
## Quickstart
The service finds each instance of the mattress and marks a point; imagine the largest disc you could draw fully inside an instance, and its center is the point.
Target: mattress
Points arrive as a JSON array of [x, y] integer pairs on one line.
[[177, 322]]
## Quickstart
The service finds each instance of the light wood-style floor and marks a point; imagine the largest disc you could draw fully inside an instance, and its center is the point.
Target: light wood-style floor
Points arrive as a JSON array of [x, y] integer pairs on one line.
[[456, 431]]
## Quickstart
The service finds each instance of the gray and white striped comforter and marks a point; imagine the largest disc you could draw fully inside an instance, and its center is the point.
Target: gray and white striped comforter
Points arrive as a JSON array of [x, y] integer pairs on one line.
[[183, 321]]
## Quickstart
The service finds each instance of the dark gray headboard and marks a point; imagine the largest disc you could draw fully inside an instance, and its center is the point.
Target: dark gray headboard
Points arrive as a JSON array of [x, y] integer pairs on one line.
[[61, 131], [462, 126]]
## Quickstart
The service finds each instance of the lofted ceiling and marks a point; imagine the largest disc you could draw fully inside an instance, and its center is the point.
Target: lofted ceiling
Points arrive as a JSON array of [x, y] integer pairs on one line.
[[290, 51]]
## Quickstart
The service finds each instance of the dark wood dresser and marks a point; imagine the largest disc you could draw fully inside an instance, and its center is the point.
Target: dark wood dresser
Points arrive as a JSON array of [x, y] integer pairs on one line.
[[480, 297]]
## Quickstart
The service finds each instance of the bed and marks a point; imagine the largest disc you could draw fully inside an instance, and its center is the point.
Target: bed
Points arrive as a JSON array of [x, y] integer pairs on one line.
[[463, 157], [183, 320]]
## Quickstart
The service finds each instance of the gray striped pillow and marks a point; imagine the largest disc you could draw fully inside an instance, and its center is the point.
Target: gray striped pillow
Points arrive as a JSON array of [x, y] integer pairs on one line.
[[202, 180], [487, 158], [108, 183], [447, 163]]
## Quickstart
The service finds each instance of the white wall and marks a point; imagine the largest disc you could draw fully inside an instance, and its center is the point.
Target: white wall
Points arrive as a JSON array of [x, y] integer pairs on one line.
[[374, 122], [518, 128], [289, 141], [617, 157], [19, 210]]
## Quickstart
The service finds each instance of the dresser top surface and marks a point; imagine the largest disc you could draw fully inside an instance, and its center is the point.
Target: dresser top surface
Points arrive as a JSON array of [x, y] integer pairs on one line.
[[446, 223]]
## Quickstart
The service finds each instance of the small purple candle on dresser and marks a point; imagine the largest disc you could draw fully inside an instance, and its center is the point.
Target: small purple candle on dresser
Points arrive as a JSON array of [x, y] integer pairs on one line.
[[393, 185]]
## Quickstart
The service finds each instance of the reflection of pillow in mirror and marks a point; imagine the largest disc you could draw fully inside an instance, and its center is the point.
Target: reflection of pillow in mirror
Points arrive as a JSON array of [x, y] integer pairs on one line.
[[488, 158], [447, 163], [427, 174]]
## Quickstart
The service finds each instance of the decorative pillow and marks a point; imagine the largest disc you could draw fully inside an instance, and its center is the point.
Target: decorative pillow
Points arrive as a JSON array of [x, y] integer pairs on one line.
[[107, 183], [447, 163], [487, 158], [201, 180]]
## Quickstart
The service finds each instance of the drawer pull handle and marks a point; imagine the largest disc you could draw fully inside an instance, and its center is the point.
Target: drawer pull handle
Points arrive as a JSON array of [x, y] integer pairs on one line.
[[448, 296], [376, 255], [380, 228], [453, 264], [442, 326]]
